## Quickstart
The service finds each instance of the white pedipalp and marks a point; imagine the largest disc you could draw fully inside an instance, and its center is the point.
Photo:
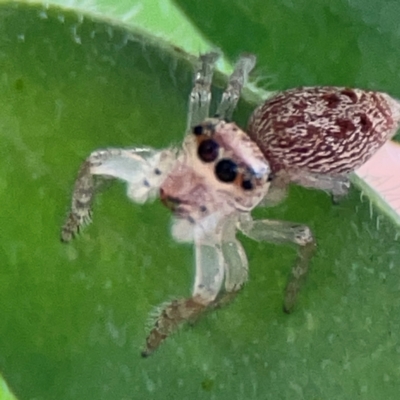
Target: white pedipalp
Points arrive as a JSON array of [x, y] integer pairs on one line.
[[143, 169]]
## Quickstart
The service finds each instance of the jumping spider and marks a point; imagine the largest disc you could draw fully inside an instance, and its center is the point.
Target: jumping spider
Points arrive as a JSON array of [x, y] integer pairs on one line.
[[310, 136]]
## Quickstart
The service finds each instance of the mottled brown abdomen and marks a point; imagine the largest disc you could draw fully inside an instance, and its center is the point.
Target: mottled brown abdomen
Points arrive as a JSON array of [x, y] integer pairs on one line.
[[332, 130]]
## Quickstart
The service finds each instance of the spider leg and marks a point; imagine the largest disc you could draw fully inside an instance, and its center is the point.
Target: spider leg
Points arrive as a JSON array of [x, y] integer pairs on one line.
[[200, 96], [236, 265], [142, 168], [285, 232], [238, 78], [208, 281], [337, 185]]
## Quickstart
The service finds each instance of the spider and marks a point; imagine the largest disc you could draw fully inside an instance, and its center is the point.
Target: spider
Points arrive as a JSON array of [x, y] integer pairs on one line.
[[313, 136]]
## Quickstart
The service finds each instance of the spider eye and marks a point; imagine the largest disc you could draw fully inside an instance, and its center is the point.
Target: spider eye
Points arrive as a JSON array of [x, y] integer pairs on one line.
[[208, 150], [271, 177], [226, 170], [247, 184], [198, 130]]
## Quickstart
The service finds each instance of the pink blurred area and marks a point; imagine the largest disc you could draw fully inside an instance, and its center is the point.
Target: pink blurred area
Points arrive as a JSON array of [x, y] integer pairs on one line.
[[382, 174]]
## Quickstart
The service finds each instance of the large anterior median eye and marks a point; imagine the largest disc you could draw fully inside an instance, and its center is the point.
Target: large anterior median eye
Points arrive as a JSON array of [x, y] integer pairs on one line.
[[226, 170], [208, 150]]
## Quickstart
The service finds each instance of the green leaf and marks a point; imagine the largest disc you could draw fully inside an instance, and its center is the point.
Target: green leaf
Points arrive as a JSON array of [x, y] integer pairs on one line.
[[74, 317], [307, 42], [5, 393]]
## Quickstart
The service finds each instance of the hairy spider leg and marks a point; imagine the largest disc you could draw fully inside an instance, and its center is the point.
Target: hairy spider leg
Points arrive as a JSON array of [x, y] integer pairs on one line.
[[208, 281], [200, 96], [219, 258], [143, 169], [236, 81], [279, 232]]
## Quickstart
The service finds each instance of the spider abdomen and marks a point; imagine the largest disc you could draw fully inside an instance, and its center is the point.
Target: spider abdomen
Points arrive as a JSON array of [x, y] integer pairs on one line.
[[331, 130]]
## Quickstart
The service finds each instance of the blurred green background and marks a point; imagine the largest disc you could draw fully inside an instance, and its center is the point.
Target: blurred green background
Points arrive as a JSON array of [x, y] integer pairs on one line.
[[75, 77]]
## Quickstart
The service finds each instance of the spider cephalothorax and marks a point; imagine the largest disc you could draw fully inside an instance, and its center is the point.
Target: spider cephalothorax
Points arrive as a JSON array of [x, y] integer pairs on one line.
[[221, 173]]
